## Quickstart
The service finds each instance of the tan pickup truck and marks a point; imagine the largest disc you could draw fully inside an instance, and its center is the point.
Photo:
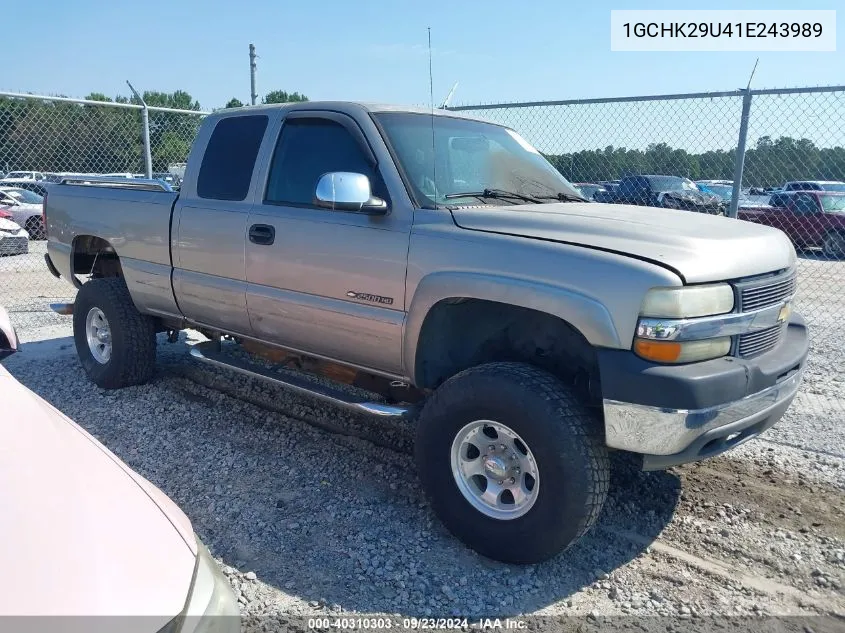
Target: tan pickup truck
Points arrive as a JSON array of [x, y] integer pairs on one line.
[[444, 264]]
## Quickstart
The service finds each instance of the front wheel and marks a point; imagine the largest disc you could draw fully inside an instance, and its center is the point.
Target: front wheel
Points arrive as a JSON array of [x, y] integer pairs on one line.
[[833, 246], [513, 464], [115, 343], [35, 227]]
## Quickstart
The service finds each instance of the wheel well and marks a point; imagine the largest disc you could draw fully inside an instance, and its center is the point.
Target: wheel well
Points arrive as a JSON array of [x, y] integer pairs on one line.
[[459, 333], [95, 256]]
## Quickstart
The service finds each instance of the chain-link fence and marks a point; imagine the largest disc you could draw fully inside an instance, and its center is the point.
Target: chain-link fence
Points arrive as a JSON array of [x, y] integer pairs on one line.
[[768, 156], [45, 138], [776, 157]]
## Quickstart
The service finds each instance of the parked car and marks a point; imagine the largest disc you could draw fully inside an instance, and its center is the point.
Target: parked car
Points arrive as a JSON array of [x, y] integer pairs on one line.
[[814, 185], [25, 175], [90, 536], [36, 186], [503, 316], [589, 189], [723, 189], [670, 192], [811, 219], [13, 239], [25, 207]]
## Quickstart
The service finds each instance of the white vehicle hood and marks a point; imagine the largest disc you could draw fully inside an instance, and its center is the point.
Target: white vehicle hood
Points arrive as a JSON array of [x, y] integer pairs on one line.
[[697, 246], [9, 226], [82, 534]]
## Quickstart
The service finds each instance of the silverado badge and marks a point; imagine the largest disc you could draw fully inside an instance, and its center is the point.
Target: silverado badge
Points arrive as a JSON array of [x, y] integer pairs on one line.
[[365, 296]]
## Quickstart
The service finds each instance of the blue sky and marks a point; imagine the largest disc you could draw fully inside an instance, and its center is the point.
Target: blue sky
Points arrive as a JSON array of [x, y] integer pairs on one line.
[[377, 51]]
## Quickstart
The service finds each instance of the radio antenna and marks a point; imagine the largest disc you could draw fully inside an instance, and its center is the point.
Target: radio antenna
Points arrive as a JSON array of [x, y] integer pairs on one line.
[[431, 101]]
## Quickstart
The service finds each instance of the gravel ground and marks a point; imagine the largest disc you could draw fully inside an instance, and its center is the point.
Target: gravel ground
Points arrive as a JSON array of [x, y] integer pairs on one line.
[[313, 511]]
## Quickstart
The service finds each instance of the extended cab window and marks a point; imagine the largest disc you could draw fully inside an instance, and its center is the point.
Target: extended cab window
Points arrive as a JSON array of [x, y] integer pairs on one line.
[[229, 159], [309, 148]]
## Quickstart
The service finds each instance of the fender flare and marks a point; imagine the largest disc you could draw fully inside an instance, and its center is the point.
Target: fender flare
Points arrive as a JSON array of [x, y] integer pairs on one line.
[[590, 317]]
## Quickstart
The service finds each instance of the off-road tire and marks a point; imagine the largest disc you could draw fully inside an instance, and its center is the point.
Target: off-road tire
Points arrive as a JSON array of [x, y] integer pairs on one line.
[[133, 335], [564, 437]]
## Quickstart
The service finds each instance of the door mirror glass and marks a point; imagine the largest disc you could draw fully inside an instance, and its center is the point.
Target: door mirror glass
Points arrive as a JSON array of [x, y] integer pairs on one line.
[[348, 191]]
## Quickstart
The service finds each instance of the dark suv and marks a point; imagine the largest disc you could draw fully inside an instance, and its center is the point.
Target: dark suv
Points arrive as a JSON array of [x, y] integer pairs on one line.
[[671, 192]]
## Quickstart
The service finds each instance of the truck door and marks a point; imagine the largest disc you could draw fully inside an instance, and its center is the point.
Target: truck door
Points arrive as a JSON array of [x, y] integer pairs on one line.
[[330, 283], [209, 225]]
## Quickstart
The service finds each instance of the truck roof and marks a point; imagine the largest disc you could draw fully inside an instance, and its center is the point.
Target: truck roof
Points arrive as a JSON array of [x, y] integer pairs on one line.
[[345, 106]]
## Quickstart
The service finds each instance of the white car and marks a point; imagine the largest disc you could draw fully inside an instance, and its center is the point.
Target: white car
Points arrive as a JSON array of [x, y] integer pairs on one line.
[[25, 208], [27, 175], [13, 239], [85, 535]]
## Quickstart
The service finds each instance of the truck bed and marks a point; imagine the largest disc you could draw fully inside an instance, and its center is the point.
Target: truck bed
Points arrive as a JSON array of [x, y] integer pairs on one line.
[[134, 216]]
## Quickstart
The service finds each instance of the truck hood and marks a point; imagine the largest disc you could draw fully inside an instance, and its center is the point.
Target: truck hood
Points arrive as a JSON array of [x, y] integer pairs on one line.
[[83, 534], [697, 246]]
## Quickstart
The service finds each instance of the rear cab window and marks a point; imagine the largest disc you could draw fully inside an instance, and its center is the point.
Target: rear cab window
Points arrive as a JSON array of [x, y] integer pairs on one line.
[[229, 158]]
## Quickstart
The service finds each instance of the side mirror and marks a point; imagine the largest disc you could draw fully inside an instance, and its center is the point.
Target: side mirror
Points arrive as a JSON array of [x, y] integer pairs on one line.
[[348, 191], [8, 336]]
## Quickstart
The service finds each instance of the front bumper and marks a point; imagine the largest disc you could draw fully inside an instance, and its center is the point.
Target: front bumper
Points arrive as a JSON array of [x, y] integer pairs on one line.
[[677, 414]]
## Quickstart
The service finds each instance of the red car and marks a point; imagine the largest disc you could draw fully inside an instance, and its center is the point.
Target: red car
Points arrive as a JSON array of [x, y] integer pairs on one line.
[[810, 218]]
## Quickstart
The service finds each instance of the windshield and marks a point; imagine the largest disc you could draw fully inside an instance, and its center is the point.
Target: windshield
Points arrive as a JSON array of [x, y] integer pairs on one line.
[[833, 204], [471, 156], [671, 183], [24, 196]]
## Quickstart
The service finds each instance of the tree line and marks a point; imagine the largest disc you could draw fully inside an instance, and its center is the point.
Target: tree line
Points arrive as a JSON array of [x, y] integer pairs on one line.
[[66, 136], [769, 162], [60, 136]]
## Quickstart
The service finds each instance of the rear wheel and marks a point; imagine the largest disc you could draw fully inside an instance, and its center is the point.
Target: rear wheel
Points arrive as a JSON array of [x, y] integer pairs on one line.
[[514, 465], [35, 227], [115, 343]]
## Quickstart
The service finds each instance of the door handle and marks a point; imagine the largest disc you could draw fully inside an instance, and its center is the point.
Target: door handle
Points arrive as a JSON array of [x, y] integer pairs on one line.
[[263, 234]]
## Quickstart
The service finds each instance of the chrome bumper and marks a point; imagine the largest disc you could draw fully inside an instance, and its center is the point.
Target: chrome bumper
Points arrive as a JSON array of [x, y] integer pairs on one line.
[[657, 431]]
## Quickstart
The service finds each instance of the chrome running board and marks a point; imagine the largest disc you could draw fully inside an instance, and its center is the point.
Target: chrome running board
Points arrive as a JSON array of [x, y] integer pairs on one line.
[[209, 352]]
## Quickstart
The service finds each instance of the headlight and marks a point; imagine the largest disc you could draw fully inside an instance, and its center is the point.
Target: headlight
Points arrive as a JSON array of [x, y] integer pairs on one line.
[[688, 301], [666, 312], [212, 607]]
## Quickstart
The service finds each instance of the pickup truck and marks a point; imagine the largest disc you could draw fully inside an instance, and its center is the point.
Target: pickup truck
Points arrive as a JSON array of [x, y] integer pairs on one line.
[[811, 219], [670, 192], [442, 263]]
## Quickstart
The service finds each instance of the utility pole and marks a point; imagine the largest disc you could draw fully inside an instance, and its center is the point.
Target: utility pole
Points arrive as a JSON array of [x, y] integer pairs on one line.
[[145, 127], [252, 95]]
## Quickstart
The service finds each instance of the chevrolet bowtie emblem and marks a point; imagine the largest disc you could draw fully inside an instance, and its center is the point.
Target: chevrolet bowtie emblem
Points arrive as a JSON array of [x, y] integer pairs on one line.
[[784, 313]]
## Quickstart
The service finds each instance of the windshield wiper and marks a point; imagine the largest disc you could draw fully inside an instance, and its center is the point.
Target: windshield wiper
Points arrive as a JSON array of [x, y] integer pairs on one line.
[[563, 197], [495, 194]]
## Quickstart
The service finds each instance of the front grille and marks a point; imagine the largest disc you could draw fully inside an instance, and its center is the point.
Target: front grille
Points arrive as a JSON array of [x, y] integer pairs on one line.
[[759, 342], [757, 294], [763, 295]]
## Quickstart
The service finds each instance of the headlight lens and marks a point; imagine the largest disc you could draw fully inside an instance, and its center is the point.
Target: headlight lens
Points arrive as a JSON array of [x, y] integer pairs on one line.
[[212, 607], [686, 352], [688, 301]]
